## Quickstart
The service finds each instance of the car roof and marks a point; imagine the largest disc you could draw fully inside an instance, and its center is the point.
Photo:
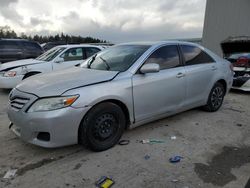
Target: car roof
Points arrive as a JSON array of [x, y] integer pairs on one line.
[[4, 39], [159, 43], [78, 45]]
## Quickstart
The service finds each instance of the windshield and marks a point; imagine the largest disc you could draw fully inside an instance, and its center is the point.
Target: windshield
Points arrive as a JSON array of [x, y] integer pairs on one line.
[[51, 54], [117, 58], [238, 55]]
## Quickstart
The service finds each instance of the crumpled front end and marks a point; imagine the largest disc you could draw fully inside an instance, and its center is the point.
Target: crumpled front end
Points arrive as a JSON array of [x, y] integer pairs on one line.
[[237, 51], [241, 78]]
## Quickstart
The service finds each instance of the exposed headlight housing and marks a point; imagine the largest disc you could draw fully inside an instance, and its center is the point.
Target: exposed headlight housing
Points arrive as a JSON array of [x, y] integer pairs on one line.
[[53, 103], [10, 74]]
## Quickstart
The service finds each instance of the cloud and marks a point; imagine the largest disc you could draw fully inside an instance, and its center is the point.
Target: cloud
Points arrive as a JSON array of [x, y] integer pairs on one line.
[[113, 20], [34, 21], [5, 3], [9, 13]]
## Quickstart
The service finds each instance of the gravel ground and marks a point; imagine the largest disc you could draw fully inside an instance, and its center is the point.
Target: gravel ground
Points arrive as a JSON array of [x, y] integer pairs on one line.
[[215, 148]]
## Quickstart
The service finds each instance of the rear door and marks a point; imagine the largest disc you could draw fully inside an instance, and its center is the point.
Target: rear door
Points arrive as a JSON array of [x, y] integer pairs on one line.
[[161, 92], [200, 70]]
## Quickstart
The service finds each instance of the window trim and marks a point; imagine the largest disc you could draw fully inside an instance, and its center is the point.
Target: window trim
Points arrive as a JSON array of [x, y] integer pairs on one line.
[[158, 47], [183, 56]]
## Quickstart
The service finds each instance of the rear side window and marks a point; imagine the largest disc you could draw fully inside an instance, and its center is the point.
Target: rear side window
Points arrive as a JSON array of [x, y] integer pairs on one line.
[[194, 55], [31, 46], [91, 51], [8, 45], [167, 57]]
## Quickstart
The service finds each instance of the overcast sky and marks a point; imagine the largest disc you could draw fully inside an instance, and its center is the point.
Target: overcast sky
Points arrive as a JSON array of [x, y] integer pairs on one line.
[[112, 20]]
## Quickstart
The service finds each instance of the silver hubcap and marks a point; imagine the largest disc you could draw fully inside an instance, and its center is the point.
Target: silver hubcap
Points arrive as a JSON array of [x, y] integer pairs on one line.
[[217, 97]]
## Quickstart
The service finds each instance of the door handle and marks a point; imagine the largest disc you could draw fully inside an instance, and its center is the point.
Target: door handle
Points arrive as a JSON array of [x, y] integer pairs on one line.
[[180, 75], [19, 53], [214, 68]]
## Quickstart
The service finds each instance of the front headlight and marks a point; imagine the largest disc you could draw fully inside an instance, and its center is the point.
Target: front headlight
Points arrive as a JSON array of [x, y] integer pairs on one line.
[[10, 74], [54, 103]]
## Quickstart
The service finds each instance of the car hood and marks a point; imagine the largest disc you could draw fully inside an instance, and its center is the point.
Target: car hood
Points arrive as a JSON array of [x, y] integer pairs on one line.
[[19, 63], [57, 82], [235, 45]]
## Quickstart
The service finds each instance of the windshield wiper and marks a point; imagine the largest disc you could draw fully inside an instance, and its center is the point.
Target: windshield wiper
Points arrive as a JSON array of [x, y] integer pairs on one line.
[[106, 63], [91, 61]]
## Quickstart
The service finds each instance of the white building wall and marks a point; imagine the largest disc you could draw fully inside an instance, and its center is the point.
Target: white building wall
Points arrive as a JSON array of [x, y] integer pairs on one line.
[[225, 18]]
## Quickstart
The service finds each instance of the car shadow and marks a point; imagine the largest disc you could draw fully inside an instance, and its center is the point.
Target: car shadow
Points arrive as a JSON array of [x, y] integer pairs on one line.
[[5, 91], [236, 91]]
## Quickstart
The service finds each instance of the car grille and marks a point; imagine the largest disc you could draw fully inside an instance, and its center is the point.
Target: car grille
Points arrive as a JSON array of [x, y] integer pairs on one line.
[[18, 103]]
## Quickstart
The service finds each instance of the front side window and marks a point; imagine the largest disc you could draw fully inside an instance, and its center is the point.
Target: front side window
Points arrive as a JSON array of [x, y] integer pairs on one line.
[[117, 58], [51, 54], [73, 54], [167, 57], [194, 55]]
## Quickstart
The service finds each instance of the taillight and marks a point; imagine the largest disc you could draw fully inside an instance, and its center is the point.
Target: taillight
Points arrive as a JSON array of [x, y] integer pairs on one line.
[[242, 62]]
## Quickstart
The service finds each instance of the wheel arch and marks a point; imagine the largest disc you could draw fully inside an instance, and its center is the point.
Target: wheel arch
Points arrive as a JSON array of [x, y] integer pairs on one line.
[[121, 104], [224, 83], [31, 73]]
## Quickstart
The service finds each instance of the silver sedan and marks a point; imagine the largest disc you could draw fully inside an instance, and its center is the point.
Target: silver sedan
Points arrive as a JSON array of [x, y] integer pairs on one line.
[[121, 87]]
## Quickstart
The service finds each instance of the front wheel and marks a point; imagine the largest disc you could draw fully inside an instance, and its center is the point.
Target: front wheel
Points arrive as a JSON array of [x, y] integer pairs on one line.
[[102, 127], [215, 98]]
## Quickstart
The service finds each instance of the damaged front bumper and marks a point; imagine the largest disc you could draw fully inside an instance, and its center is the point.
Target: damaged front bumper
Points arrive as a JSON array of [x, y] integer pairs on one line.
[[241, 80]]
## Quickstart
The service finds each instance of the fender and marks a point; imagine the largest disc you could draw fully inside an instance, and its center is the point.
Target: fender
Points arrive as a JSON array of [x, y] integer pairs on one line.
[[10, 68]]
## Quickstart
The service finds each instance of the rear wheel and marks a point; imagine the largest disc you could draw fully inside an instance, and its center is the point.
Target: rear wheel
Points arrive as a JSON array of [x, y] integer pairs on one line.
[[102, 127], [215, 98]]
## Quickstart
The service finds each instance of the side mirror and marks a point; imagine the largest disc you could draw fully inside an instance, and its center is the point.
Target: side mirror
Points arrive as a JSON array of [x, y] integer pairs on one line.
[[150, 68], [59, 60]]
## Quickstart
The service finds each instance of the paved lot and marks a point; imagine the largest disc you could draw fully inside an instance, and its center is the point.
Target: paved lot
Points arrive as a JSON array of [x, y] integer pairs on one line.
[[215, 148]]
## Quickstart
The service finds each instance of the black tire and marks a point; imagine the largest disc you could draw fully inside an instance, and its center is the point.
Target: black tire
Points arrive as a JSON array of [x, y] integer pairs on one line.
[[215, 98], [102, 127], [30, 74]]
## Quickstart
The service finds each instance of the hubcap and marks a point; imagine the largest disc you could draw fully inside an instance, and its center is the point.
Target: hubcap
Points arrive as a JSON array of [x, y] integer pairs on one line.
[[105, 127], [217, 97]]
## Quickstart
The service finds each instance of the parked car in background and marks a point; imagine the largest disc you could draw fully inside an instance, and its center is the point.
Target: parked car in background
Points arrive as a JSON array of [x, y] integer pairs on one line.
[[47, 46], [57, 58], [16, 49], [237, 51], [123, 86], [241, 67]]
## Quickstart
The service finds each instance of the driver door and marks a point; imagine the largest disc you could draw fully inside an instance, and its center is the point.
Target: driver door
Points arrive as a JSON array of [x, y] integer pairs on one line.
[[69, 58], [161, 92]]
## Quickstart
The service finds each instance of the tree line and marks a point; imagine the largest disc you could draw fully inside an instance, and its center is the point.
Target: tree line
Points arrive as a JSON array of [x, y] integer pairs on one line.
[[7, 32]]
